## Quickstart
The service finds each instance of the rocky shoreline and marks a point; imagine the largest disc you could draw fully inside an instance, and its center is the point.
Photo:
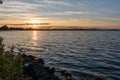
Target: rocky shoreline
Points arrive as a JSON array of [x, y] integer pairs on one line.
[[34, 68]]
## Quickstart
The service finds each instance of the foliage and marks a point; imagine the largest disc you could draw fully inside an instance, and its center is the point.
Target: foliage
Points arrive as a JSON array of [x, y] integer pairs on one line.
[[10, 63]]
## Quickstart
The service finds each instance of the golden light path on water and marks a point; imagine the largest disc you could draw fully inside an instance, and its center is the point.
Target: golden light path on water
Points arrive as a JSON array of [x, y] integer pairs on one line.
[[34, 36], [34, 44]]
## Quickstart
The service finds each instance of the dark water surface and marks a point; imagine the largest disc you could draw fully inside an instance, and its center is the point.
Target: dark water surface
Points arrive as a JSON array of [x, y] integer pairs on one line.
[[83, 53]]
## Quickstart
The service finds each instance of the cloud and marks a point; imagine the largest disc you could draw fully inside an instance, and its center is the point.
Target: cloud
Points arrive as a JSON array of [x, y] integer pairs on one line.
[[62, 3], [54, 2], [14, 9], [108, 20], [77, 12], [65, 13], [18, 6]]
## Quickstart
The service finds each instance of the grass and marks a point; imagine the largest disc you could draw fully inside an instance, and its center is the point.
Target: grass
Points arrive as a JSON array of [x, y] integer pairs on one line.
[[10, 63]]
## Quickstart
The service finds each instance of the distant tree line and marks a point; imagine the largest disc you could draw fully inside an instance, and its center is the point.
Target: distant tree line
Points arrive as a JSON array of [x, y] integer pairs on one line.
[[5, 27]]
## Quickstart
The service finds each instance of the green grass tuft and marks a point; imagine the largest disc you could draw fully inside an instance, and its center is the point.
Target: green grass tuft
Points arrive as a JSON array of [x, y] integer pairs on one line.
[[10, 63]]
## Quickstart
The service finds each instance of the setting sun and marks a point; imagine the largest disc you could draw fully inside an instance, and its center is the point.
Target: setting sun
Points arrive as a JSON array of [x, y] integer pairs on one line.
[[34, 21]]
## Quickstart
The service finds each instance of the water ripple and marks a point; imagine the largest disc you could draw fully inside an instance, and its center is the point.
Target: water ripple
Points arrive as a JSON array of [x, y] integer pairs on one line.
[[93, 55]]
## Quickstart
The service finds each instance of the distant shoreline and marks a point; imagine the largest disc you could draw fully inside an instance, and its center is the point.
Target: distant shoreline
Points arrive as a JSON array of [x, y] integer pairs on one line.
[[60, 30], [6, 28]]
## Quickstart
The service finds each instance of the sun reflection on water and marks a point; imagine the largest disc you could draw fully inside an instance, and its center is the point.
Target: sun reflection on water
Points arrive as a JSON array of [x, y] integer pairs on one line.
[[34, 43], [34, 37]]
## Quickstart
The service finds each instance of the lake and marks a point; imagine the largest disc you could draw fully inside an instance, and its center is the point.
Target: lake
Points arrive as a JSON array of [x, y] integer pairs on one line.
[[85, 54]]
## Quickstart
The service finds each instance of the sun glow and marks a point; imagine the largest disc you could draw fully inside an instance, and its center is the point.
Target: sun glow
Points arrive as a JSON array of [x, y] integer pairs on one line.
[[34, 23]]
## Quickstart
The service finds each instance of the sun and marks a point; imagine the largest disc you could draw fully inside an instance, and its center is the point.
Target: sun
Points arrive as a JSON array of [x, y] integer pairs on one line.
[[34, 21]]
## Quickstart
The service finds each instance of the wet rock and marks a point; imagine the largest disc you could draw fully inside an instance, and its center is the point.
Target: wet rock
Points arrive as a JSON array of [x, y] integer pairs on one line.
[[35, 69], [51, 75], [68, 76]]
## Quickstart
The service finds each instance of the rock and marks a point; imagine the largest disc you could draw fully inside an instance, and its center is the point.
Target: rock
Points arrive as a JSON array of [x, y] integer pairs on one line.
[[35, 69]]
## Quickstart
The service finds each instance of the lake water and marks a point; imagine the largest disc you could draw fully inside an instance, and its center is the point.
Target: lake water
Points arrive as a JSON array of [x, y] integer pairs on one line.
[[85, 54]]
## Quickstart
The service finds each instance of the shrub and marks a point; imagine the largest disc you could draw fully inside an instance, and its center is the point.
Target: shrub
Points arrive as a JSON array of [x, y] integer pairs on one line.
[[10, 63]]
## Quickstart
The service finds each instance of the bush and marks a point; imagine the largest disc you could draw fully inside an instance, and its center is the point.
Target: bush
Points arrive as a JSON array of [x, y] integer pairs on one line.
[[10, 63]]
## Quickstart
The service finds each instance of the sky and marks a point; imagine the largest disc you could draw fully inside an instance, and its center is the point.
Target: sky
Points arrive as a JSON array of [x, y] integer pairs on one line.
[[63, 13]]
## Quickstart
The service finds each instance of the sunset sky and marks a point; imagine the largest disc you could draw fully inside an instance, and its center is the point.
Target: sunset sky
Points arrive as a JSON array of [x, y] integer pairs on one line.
[[81, 13]]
